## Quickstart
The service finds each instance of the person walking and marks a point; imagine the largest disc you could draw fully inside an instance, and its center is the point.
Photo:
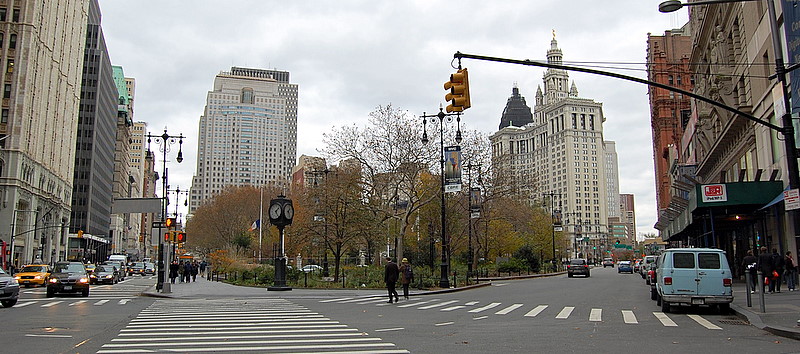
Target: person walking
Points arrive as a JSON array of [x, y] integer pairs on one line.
[[390, 277], [749, 264], [187, 271], [406, 276], [791, 271], [766, 268], [777, 269], [195, 270], [181, 270], [173, 271]]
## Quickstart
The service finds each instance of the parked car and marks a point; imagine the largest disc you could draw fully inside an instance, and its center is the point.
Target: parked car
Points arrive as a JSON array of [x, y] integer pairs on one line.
[[9, 289], [645, 265], [149, 268], [694, 276], [311, 268], [624, 267], [68, 277], [104, 274], [636, 264], [577, 266], [652, 278], [33, 274], [608, 262]]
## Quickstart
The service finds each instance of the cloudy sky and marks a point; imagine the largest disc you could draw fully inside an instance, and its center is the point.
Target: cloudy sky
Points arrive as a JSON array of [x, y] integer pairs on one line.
[[350, 56]]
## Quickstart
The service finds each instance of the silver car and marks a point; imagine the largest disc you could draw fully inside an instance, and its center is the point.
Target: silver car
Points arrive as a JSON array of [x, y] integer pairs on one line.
[[9, 289]]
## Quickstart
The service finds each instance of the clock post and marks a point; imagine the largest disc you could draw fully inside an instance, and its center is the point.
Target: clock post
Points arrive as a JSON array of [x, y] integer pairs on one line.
[[281, 212]]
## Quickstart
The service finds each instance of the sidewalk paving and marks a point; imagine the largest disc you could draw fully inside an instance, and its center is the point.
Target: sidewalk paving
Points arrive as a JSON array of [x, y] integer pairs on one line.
[[782, 310]]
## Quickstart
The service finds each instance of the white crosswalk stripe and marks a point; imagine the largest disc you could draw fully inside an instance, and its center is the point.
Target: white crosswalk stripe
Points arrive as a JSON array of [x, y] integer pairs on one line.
[[487, 307], [417, 303], [101, 302], [665, 320], [508, 310], [78, 302], [536, 311], [704, 322], [596, 315], [51, 304], [253, 325], [438, 305], [629, 317], [565, 312]]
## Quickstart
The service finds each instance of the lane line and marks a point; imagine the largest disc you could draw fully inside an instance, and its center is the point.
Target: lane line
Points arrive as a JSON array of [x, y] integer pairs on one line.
[[471, 303], [480, 318], [417, 303], [444, 323], [489, 306], [101, 302], [385, 330], [704, 322], [49, 335], [334, 300], [52, 303], [78, 302], [536, 311], [25, 304], [596, 315], [565, 312], [123, 301], [506, 310], [665, 320], [438, 305], [453, 308], [629, 317]]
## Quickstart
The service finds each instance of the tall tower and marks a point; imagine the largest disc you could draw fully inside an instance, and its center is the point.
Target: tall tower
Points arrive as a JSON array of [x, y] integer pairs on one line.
[[41, 60], [561, 153], [612, 178], [628, 215], [248, 133]]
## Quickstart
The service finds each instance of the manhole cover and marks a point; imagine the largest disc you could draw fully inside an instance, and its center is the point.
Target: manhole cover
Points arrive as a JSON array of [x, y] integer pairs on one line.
[[735, 322]]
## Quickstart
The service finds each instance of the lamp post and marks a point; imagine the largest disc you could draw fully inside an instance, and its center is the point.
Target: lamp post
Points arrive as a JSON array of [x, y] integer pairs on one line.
[[553, 219], [474, 213], [164, 141], [317, 173], [444, 282]]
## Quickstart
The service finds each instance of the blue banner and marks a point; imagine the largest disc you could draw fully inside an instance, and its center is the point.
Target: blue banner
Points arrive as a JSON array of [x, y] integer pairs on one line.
[[791, 27]]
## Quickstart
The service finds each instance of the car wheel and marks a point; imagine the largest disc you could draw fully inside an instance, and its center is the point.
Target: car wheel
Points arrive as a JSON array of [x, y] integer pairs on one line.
[[653, 294], [86, 293], [9, 303], [50, 292], [665, 306]]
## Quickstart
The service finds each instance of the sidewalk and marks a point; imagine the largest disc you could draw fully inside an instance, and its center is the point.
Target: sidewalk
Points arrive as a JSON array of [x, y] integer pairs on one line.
[[782, 310]]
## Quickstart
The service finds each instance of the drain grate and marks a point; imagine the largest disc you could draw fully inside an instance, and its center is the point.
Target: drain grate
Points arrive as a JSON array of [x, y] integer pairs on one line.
[[735, 322]]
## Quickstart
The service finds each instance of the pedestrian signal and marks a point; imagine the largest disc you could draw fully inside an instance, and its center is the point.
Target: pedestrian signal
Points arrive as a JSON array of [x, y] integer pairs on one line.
[[170, 223], [181, 237]]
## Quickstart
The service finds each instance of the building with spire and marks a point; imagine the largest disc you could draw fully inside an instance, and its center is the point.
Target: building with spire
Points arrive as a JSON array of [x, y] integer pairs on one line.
[[559, 154]]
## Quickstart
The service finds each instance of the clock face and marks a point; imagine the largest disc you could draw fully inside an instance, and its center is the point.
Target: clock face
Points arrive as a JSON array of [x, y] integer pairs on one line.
[[274, 211], [288, 211]]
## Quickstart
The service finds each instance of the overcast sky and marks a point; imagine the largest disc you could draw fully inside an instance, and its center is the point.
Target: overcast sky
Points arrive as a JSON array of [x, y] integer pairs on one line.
[[348, 57]]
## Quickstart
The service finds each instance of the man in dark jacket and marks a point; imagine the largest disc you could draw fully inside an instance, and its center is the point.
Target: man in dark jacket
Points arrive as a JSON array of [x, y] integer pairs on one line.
[[777, 266], [766, 268], [390, 277], [749, 264]]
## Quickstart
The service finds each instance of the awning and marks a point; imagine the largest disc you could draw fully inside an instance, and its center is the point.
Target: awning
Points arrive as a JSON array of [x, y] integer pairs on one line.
[[778, 198]]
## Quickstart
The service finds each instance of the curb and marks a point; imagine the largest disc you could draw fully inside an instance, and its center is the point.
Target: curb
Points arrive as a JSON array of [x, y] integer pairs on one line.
[[525, 276], [756, 321]]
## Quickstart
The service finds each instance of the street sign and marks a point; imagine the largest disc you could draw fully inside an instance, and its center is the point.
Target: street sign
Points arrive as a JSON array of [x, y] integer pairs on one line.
[[158, 224], [792, 199]]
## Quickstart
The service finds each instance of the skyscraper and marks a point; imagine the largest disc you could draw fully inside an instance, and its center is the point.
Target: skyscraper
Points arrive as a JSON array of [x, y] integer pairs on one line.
[[560, 154], [248, 133]]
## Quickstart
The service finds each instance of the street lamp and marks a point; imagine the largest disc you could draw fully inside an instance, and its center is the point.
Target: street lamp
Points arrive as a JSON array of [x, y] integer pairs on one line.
[[444, 282], [317, 173], [164, 141], [474, 213], [553, 219]]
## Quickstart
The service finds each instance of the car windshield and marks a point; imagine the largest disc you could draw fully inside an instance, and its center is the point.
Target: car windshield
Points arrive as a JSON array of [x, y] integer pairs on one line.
[[104, 269], [577, 261], [68, 268], [34, 269], [625, 263]]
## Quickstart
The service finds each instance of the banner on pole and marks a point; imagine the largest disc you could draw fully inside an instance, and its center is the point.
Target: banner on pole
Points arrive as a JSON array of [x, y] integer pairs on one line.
[[452, 169]]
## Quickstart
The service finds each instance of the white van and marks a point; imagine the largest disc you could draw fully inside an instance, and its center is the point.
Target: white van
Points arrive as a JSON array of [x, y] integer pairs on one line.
[[693, 276]]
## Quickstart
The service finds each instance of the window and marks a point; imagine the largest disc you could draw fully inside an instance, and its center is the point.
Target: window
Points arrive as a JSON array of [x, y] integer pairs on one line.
[[12, 41], [15, 15], [708, 260], [10, 66], [7, 91], [4, 116], [683, 260], [3, 12]]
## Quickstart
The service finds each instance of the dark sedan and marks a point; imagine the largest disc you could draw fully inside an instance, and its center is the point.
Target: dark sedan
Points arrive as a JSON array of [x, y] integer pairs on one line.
[[103, 274], [9, 289], [68, 277], [625, 266]]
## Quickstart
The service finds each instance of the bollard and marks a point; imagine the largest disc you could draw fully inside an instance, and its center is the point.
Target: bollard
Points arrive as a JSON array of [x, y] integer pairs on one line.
[[748, 282], [305, 280], [761, 293]]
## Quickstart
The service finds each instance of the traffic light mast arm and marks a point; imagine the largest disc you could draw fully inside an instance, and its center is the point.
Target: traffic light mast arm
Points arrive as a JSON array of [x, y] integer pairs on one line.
[[528, 62]]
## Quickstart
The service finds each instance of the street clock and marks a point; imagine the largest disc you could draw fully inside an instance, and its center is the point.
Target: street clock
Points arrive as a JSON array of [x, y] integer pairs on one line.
[[281, 211]]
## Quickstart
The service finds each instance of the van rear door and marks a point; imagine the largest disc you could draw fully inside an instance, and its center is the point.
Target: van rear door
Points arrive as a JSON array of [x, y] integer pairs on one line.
[[711, 272], [684, 273]]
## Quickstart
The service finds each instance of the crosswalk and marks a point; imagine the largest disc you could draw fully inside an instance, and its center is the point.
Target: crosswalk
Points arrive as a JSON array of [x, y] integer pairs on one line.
[[595, 314], [252, 325], [72, 303]]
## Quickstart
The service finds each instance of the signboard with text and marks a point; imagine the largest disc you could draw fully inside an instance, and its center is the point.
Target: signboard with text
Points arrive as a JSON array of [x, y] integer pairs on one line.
[[714, 193], [792, 199]]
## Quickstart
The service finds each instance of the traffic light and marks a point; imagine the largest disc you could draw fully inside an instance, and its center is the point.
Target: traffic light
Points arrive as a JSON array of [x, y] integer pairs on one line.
[[617, 242], [80, 233], [181, 237], [168, 236], [170, 223], [459, 91]]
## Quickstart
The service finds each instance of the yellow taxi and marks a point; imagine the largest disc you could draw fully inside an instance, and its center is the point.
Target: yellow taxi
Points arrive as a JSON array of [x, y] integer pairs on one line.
[[33, 274]]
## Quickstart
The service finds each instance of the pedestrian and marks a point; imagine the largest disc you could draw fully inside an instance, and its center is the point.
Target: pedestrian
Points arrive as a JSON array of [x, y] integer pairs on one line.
[[195, 270], [390, 277], [777, 271], [181, 270], [187, 271], [406, 276], [791, 271], [173, 271], [203, 268], [749, 264], [765, 267]]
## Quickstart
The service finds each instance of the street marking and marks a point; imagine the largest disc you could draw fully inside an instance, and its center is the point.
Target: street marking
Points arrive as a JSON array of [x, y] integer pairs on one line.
[[453, 308], [489, 306], [704, 322], [123, 301], [665, 320], [444, 323], [334, 300], [629, 317], [565, 312], [472, 303], [506, 310], [536, 311], [437, 305], [49, 335], [389, 329], [480, 318], [596, 315], [100, 303], [52, 303], [77, 302], [418, 303], [501, 284], [25, 304]]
